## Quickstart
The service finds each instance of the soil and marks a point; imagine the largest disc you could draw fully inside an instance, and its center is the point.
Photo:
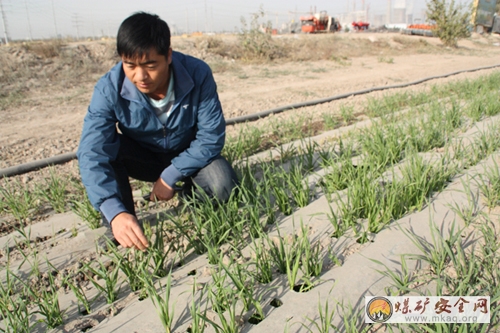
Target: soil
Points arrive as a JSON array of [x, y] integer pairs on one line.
[[48, 122]]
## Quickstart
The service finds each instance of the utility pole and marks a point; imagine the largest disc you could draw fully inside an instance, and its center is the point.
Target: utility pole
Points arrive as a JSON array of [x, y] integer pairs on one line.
[[55, 23], [77, 23], [28, 17], [4, 24]]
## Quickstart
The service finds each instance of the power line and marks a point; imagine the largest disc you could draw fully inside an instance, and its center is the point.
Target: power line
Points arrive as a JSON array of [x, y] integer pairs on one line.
[[28, 17], [77, 23]]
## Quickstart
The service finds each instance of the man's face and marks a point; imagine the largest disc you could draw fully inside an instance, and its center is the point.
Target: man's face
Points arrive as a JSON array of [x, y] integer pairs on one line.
[[150, 74]]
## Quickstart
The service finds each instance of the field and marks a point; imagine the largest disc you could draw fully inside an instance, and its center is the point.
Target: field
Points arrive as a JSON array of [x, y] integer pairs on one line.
[[392, 192]]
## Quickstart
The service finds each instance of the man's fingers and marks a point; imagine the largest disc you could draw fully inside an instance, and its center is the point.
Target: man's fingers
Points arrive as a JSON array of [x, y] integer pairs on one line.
[[128, 233], [124, 240], [132, 240], [140, 240]]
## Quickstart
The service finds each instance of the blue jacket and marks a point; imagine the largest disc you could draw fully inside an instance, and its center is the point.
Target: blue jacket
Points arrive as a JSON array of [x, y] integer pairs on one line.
[[195, 129]]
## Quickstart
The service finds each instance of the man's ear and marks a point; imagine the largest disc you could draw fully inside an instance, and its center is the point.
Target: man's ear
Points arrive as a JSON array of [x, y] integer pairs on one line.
[[169, 56]]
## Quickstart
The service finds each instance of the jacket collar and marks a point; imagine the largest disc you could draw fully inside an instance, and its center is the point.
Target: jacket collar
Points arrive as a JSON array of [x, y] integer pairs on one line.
[[183, 84], [183, 81]]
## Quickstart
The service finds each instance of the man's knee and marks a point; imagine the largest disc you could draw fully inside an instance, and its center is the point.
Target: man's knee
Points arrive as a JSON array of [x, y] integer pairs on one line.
[[217, 180]]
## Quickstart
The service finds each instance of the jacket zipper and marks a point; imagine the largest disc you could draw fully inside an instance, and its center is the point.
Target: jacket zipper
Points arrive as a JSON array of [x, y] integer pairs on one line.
[[165, 140]]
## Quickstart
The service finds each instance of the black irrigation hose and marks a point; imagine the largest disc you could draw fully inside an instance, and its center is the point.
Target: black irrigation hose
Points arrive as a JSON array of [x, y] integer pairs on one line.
[[35, 165], [63, 158]]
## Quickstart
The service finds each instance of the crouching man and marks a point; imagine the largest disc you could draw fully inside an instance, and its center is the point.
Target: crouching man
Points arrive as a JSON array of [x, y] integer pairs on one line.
[[156, 117]]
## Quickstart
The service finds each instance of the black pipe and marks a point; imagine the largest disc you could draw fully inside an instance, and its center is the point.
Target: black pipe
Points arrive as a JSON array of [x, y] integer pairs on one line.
[[59, 159], [35, 165]]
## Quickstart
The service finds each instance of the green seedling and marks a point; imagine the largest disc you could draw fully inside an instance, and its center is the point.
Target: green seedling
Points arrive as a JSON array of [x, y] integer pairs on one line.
[[489, 185], [337, 223], [453, 116], [286, 256], [330, 121], [243, 283], [470, 211], [28, 250], [107, 273], [262, 262], [19, 200], [277, 182], [325, 322], [277, 251], [485, 145], [248, 141], [299, 188], [47, 300], [132, 263], [469, 269], [383, 146], [219, 222], [287, 153], [198, 321], [193, 231], [55, 192], [227, 322], [489, 235], [14, 306], [307, 156], [264, 193], [326, 156], [159, 249], [475, 109], [333, 257], [352, 321], [401, 280], [74, 231], [436, 253], [254, 208], [347, 113], [162, 303], [312, 259], [84, 210], [220, 294], [82, 299], [342, 173]]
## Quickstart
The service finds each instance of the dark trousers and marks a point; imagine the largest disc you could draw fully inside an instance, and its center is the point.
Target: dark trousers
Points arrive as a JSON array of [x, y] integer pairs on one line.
[[217, 179]]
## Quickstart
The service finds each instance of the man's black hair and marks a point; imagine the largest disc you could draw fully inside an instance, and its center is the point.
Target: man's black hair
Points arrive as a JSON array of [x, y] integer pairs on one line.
[[141, 32]]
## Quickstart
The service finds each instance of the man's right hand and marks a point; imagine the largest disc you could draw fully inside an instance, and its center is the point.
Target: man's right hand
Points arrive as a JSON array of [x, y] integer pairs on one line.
[[127, 231]]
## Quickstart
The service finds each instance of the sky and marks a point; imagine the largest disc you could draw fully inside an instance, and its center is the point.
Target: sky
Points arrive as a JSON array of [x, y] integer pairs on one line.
[[40, 19]]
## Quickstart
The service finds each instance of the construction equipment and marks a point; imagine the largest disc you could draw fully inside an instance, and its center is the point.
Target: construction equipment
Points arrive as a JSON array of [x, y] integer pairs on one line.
[[319, 22], [483, 14], [419, 29], [360, 26]]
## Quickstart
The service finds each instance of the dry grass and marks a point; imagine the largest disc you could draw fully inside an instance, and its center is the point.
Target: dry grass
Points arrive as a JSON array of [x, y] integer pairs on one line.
[[264, 48], [49, 65]]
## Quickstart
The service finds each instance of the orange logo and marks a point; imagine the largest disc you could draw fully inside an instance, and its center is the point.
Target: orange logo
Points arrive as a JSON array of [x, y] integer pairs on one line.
[[379, 309]]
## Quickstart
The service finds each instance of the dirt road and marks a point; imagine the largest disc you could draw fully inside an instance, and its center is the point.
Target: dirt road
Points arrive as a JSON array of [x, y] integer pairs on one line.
[[48, 122]]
